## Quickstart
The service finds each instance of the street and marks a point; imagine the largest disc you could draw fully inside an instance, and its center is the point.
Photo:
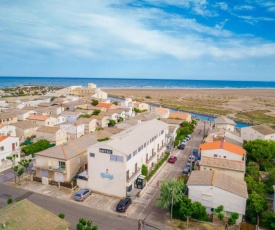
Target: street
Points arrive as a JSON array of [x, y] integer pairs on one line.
[[102, 211]]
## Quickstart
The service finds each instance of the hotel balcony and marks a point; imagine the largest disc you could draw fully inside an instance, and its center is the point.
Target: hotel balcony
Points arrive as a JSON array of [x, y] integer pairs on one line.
[[52, 168], [134, 174], [151, 157]]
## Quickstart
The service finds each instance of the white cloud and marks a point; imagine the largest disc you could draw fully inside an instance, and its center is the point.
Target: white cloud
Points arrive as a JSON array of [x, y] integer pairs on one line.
[[222, 5], [244, 7]]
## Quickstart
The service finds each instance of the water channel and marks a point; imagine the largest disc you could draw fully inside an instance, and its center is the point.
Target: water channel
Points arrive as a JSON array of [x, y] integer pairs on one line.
[[194, 115]]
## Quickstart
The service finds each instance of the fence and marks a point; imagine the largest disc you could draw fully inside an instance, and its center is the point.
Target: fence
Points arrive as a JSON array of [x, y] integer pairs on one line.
[[56, 183]]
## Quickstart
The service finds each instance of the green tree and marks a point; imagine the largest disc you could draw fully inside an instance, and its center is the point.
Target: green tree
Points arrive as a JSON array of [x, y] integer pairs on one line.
[[85, 225], [220, 216], [144, 170], [112, 123], [252, 185], [256, 204], [115, 103], [19, 172], [94, 102], [199, 211], [268, 220], [219, 209], [96, 112], [36, 147], [120, 119], [233, 218], [171, 192]]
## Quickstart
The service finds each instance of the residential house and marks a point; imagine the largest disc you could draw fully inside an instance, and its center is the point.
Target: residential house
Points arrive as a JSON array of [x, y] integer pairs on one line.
[[141, 106], [128, 102], [3, 103], [181, 116], [25, 215], [25, 129], [102, 120], [7, 118], [123, 156], [106, 106], [225, 123], [224, 135], [232, 168], [90, 91], [224, 150], [214, 188], [117, 113], [163, 112], [22, 114], [59, 119], [42, 120], [8, 146], [74, 129], [263, 132], [70, 116], [63, 162], [90, 124], [65, 91], [55, 135], [129, 112], [7, 130]]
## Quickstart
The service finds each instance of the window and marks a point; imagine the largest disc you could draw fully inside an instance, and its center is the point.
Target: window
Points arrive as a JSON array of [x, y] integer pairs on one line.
[[129, 157], [215, 155], [92, 155], [134, 153], [224, 156], [116, 158], [62, 164], [2, 148]]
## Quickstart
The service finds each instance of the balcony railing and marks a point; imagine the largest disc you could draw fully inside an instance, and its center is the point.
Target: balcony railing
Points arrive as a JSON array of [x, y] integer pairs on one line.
[[134, 174], [151, 157], [52, 168], [161, 148]]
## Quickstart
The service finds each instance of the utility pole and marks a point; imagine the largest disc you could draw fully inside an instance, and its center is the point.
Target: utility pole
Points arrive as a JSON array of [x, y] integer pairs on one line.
[[203, 129]]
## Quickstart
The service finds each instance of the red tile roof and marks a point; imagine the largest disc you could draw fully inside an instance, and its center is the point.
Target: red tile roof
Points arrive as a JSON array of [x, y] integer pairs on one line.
[[223, 145], [179, 115], [105, 105], [3, 138]]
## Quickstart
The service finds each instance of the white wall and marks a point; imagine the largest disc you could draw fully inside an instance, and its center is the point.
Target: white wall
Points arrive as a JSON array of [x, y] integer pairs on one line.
[[248, 134], [8, 130], [6, 149], [212, 197], [226, 127], [221, 153]]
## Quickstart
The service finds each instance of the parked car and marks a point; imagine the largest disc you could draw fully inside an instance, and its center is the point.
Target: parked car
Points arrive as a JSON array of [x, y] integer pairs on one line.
[[181, 146], [82, 194], [187, 138], [195, 152], [186, 170], [192, 158], [172, 159], [184, 142], [189, 165], [123, 204]]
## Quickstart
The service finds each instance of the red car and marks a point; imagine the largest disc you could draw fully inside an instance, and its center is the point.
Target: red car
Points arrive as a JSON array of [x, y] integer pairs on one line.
[[172, 159]]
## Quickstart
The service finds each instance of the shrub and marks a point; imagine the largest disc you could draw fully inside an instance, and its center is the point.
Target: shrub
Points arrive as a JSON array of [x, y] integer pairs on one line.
[[144, 170], [159, 164], [103, 139], [268, 220], [36, 147], [220, 216], [9, 201], [61, 215]]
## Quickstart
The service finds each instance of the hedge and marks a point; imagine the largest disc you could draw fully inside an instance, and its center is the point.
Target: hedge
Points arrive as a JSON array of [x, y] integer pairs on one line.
[[159, 164]]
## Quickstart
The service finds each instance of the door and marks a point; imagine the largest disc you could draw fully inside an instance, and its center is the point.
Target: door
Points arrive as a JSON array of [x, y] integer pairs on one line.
[[13, 146]]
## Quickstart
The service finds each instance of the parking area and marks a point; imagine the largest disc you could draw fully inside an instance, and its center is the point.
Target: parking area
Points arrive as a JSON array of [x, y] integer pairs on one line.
[[143, 206]]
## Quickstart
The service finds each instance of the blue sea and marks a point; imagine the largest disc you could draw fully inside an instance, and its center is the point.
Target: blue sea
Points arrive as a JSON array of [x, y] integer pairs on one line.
[[132, 83]]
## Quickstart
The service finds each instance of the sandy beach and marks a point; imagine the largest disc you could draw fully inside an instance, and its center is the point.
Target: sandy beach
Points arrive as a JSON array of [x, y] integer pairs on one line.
[[248, 105]]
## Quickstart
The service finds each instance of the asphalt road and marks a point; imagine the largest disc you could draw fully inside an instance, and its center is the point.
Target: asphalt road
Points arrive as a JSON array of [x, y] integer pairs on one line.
[[104, 220]]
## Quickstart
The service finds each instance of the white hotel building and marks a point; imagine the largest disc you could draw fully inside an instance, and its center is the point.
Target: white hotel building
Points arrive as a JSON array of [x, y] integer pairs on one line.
[[114, 165]]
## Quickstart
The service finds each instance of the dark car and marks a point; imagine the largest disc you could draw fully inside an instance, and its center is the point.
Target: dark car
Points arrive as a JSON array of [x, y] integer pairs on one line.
[[172, 159], [82, 194], [123, 204], [181, 146], [189, 165], [186, 170]]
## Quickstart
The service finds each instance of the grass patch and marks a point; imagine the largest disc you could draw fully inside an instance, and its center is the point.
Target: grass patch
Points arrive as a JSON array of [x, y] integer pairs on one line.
[[258, 116]]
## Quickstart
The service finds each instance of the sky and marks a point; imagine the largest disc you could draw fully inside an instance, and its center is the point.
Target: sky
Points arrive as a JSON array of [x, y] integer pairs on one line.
[[162, 39]]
